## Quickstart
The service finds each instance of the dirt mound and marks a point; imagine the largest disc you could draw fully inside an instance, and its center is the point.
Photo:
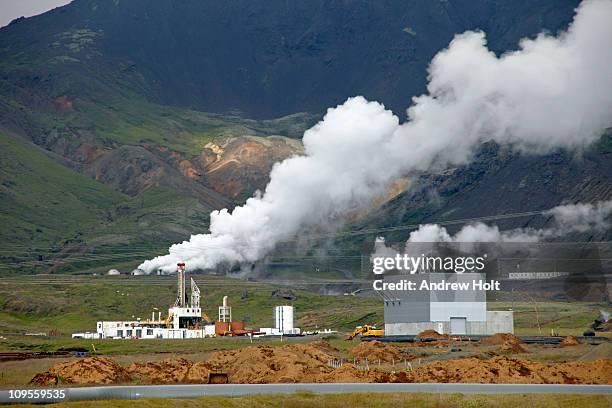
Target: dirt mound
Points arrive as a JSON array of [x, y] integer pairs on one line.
[[502, 370], [499, 339], [508, 343], [324, 346], [264, 364], [90, 370], [569, 341], [170, 371], [376, 350], [512, 347], [431, 334], [286, 364]]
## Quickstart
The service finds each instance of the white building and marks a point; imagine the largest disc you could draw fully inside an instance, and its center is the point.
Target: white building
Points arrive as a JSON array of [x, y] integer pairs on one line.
[[283, 319]]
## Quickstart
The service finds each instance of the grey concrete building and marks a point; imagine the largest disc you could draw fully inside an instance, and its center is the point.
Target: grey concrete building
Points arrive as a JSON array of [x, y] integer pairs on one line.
[[448, 310]]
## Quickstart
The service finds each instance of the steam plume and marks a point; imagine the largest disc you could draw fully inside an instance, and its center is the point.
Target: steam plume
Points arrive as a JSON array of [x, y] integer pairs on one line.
[[581, 217], [554, 92]]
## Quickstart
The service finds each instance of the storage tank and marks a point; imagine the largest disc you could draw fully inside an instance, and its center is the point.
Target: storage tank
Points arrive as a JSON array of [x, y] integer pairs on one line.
[[284, 318]]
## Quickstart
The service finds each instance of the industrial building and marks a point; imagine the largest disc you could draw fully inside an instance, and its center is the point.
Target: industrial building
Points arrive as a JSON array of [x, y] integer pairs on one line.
[[456, 312], [187, 320]]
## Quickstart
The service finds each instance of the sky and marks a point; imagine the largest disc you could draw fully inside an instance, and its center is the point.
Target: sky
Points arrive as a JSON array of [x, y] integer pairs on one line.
[[11, 9]]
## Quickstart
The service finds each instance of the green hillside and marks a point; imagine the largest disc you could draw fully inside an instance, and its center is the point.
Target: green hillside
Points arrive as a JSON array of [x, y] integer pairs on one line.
[[45, 203], [51, 212]]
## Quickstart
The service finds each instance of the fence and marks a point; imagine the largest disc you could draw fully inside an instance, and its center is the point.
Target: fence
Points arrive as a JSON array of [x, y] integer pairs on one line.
[[365, 364]]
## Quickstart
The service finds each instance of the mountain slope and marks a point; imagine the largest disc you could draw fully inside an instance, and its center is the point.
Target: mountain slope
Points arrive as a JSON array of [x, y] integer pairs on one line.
[[265, 59], [500, 181], [37, 193], [152, 101]]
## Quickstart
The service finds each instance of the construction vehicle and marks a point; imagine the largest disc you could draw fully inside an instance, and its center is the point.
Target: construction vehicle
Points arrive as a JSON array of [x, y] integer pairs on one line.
[[366, 331]]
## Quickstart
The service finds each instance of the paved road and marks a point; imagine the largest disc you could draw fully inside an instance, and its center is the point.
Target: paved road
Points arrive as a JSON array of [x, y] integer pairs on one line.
[[197, 390]]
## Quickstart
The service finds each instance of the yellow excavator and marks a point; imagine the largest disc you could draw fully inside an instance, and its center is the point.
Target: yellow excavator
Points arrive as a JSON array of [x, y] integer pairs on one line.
[[366, 331]]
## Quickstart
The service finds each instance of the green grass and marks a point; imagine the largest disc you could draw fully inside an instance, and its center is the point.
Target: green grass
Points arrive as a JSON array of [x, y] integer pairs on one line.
[[370, 400], [564, 318]]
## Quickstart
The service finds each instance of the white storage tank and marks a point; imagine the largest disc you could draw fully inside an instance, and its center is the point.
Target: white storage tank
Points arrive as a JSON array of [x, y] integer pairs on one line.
[[284, 318]]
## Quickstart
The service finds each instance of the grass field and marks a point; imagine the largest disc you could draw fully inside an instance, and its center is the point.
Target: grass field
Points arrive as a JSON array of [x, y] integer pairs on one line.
[[370, 400]]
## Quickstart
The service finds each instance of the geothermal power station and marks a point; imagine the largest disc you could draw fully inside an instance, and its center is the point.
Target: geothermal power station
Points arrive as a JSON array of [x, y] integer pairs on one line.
[[187, 320], [406, 313]]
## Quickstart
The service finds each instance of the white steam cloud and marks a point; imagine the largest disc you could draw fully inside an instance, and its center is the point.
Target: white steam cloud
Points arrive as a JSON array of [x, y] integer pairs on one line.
[[581, 217], [554, 92]]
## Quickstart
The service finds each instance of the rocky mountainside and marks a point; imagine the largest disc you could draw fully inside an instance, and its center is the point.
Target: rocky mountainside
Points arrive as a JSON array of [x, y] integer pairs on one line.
[[263, 58], [500, 181]]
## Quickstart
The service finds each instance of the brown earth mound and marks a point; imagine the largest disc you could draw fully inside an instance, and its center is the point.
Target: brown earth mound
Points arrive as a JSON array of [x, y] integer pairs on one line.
[[286, 364], [512, 347], [499, 339], [508, 343], [375, 351], [502, 370], [90, 370], [324, 345], [431, 334], [264, 364], [569, 341], [171, 371], [304, 363]]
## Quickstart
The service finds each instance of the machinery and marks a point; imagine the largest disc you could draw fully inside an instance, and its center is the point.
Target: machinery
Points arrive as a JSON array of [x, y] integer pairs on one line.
[[366, 331], [185, 318]]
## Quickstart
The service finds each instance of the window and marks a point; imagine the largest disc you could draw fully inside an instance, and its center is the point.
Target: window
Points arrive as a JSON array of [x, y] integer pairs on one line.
[[149, 332], [138, 332], [119, 333], [128, 333]]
